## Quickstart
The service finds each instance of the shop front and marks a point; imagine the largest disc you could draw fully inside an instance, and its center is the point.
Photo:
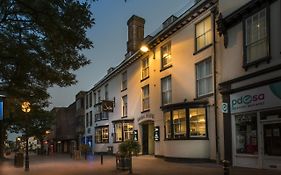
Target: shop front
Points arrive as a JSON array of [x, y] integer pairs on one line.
[[256, 127]]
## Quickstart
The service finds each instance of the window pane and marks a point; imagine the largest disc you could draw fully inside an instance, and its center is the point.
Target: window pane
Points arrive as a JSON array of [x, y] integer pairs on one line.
[[203, 34], [167, 125], [204, 77], [118, 132], [197, 120], [128, 131], [179, 123], [246, 133]]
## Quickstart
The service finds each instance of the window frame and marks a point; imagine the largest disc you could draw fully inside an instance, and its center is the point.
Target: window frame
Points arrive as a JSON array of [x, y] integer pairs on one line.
[[145, 68], [168, 91], [101, 130], [167, 45], [187, 120], [267, 58], [205, 77], [122, 123], [125, 106], [196, 49], [144, 98], [124, 81]]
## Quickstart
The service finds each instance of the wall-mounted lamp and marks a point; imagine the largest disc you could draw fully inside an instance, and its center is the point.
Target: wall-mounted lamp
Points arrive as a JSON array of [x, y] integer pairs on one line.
[[144, 48]]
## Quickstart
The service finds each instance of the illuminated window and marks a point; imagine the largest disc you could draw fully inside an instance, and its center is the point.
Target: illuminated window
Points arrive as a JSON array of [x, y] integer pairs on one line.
[[123, 131], [145, 68], [168, 131], [203, 34], [124, 106], [166, 59], [179, 123], [197, 120], [101, 134]]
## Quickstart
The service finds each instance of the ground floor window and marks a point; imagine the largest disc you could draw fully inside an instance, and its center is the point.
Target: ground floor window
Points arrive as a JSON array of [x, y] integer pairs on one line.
[[123, 131], [185, 123], [246, 133], [101, 134]]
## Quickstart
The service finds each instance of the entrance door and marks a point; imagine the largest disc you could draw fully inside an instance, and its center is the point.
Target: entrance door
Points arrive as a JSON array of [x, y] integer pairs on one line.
[[145, 139], [272, 145]]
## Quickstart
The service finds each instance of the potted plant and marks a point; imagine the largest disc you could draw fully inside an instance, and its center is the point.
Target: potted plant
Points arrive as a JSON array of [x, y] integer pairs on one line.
[[124, 155]]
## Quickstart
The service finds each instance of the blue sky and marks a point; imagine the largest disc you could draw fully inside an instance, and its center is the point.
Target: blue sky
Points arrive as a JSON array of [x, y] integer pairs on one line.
[[109, 35]]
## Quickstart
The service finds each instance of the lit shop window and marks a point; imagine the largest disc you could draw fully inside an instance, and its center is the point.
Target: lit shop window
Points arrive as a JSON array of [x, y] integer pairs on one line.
[[102, 134], [179, 123], [246, 133], [123, 131]]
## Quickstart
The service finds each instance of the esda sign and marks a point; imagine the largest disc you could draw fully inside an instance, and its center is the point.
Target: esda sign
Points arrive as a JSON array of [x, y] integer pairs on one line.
[[257, 98]]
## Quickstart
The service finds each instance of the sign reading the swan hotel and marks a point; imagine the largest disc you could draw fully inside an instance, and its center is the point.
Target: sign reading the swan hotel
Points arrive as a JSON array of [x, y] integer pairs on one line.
[[144, 117], [107, 106], [257, 98]]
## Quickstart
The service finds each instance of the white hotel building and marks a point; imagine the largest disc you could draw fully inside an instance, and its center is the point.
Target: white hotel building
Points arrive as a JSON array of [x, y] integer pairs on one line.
[[170, 89]]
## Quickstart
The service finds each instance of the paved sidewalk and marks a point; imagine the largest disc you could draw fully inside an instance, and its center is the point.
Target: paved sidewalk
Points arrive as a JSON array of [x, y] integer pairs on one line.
[[142, 165]]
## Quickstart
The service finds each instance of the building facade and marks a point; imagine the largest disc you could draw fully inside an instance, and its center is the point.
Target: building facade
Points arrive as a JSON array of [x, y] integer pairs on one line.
[[250, 82], [164, 98]]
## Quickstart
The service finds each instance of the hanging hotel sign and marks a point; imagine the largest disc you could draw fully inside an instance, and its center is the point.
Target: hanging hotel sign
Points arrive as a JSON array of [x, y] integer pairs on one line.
[[107, 106], [257, 98], [156, 133], [144, 117], [135, 135]]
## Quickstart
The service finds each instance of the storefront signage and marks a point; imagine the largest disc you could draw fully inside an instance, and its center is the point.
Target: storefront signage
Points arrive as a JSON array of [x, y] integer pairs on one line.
[[257, 98], [1, 110], [135, 135], [224, 107], [156, 133], [107, 106], [147, 116]]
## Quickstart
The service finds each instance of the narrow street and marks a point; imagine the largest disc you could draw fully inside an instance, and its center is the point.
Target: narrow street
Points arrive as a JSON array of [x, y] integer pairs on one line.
[[61, 164]]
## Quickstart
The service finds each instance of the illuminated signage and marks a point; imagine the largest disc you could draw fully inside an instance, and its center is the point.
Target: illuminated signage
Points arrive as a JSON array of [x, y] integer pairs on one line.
[[135, 133], [156, 133]]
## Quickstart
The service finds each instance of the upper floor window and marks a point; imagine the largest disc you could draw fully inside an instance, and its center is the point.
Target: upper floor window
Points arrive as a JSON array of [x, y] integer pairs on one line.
[[124, 81], [87, 119], [145, 98], [204, 77], [90, 99], [203, 34], [124, 106], [99, 98], [106, 92], [91, 118], [95, 98], [166, 90], [166, 59], [145, 68], [256, 37]]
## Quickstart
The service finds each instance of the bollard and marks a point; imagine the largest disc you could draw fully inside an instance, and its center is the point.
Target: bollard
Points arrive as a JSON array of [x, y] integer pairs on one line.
[[226, 168], [101, 158], [131, 168]]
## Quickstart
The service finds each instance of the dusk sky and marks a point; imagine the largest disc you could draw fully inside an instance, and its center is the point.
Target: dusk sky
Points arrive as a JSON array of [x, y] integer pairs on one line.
[[109, 36]]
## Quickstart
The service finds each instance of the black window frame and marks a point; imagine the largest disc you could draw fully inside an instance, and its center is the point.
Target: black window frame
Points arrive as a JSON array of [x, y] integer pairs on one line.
[[101, 141]]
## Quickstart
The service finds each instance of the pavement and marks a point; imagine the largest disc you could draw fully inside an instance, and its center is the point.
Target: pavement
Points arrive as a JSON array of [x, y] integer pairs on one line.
[[63, 164]]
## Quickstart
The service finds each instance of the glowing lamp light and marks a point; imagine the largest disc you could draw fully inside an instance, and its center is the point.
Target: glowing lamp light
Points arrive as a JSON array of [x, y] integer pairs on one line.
[[144, 48], [25, 106]]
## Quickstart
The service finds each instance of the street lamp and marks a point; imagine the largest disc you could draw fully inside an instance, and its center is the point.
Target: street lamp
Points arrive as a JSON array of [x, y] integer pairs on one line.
[[25, 107]]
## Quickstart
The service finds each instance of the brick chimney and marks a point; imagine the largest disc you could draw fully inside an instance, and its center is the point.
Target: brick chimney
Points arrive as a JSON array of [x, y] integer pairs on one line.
[[135, 34]]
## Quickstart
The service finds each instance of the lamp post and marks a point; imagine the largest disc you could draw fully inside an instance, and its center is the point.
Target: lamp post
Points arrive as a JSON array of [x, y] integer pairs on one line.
[[25, 107]]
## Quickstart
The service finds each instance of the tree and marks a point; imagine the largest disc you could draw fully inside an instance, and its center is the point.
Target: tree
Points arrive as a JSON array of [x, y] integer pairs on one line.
[[40, 46]]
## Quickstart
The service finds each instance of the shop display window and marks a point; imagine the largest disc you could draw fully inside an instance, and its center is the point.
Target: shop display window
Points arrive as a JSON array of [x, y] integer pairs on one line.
[[246, 133]]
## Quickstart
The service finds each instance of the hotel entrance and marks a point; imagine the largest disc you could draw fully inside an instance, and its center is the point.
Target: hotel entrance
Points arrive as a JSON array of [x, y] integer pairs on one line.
[[147, 138]]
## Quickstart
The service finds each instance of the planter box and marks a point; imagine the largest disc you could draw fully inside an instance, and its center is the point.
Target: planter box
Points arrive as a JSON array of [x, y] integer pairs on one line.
[[123, 163]]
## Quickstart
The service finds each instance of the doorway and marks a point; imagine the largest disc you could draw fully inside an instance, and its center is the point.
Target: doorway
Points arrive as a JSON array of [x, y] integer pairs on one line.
[[147, 138], [271, 145]]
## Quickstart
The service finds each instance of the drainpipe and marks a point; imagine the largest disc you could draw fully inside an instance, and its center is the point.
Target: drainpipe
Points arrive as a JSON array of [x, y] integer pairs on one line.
[[214, 13]]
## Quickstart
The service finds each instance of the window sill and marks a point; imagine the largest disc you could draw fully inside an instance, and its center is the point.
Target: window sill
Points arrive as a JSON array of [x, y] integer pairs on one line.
[[123, 89], [203, 96], [188, 138], [102, 143], [124, 116], [256, 63], [144, 111], [167, 67], [101, 120], [144, 79], [202, 49]]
